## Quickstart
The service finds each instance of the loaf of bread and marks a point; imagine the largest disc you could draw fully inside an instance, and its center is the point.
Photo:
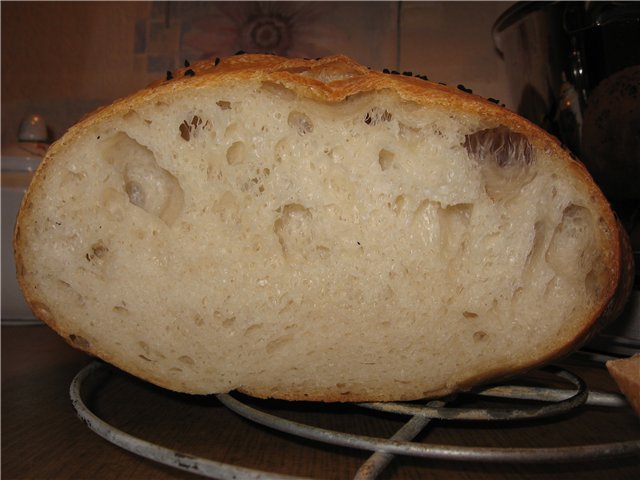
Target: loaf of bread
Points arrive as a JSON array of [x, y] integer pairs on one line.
[[312, 229]]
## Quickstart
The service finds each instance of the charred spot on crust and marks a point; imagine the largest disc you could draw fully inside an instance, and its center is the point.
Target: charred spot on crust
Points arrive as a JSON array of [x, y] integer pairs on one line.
[[406, 74]]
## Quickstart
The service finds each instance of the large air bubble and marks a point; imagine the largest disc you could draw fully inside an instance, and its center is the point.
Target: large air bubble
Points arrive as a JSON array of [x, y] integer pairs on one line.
[[506, 159], [146, 184]]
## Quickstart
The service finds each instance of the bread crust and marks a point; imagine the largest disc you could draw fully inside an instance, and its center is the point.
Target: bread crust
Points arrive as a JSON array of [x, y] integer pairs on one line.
[[348, 79], [626, 373]]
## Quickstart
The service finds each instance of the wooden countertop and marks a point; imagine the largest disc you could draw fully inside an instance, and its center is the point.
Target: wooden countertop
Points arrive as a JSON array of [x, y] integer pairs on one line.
[[43, 439]]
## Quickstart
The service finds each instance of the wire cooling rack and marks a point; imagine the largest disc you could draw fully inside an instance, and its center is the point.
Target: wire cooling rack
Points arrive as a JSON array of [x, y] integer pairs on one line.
[[554, 401]]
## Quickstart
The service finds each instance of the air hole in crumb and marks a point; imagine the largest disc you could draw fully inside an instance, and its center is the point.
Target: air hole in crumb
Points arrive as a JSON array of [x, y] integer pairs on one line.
[[385, 159], [407, 131], [539, 234], [236, 153], [80, 341], [228, 322], [186, 359], [300, 122], [398, 204], [293, 229], [185, 131], [146, 359], [377, 115], [505, 158], [135, 192], [232, 131], [223, 104], [593, 280], [99, 250], [144, 347], [571, 246], [278, 343], [479, 335], [467, 314], [253, 329], [278, 90], [191, 128], [147, 185], [69, 289], [286, 307], [388, 294], [500, 147]]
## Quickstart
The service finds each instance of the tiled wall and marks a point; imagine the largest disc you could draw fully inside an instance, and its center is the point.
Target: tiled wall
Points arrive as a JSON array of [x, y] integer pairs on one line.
[[63, 59]]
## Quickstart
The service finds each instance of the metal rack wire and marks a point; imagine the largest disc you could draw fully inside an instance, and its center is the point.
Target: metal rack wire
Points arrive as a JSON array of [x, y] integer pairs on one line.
[[555, 402]]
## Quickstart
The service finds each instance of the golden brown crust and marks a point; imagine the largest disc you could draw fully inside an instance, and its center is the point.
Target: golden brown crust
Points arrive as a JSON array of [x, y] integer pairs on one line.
[[332, 79]]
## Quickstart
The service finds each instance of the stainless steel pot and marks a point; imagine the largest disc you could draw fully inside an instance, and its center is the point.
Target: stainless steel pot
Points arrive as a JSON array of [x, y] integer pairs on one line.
[[574, 69]]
